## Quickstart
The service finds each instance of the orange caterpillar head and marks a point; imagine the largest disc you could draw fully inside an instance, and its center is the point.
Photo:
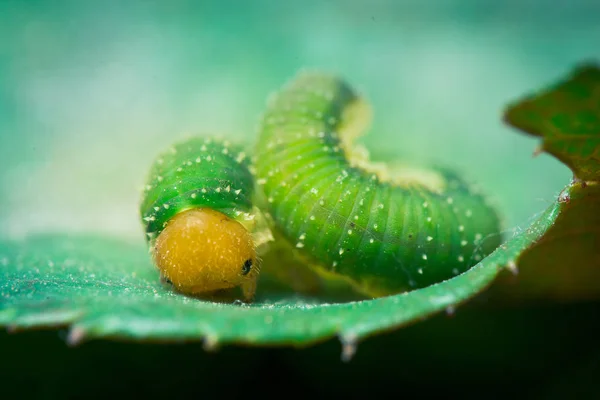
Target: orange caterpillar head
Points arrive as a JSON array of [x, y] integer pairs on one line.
[[202, 250]]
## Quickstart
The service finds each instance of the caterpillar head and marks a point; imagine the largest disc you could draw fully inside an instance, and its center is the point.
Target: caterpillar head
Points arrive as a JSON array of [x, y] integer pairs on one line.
[[202, 250]]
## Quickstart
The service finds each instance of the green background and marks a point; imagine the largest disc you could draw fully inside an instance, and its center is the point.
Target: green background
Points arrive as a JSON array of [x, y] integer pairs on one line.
[[90, 91]]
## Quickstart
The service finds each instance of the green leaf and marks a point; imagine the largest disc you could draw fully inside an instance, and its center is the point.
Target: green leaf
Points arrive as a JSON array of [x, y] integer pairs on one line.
[[567, 117], [107, 288]]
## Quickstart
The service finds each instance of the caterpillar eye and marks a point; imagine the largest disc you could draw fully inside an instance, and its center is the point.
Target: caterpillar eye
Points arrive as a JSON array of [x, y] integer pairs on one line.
[[247, 266]]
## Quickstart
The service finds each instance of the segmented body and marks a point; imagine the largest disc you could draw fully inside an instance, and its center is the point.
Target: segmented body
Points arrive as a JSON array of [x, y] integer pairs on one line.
[[385, 237], [199, 172]]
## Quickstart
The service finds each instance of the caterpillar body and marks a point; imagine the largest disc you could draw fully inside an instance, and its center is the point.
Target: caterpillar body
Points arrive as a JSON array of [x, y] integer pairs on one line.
[[385, 229], [198, 214]]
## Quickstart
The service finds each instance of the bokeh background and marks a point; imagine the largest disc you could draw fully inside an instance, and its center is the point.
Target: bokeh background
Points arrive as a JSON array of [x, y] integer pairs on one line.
[[91, 90]]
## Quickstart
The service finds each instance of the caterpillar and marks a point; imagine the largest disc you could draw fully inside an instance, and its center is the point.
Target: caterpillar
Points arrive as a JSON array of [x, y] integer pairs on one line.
[[382, 228], [200, 222]]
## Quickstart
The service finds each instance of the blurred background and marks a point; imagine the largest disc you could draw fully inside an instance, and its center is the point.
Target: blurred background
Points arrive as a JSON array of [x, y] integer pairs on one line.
[[91, 91]]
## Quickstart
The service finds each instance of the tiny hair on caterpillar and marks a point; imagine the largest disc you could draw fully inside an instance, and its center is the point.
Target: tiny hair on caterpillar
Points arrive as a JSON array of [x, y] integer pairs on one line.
[[380, 227], [198, 215]]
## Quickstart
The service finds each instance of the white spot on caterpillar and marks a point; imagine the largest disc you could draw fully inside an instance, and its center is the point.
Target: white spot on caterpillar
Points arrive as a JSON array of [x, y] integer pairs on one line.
[[455, 271], [463, 243], [208, 158], [478, 236], [428, 219], [238, 191], [380, 206], [203, 190], [424, 256], [321, 202], [375, 226], [312, 218], [193, 195], [225, 151], [356, 217], [302, 237], [228, 189], [371, 240], [461, 258], [468, 213], [429, 238], [203, 148], [218, 190], [166, 206], [449, 200], [461, 228], [198, 160], [341, 251], [261, 181], [361, 202], [420, 271], [156, 208], [159, 178], [477, 257], [299, 245], [334, 264], [270, 199], [240, 157], [349, 231], [314, 191], [425, 204]]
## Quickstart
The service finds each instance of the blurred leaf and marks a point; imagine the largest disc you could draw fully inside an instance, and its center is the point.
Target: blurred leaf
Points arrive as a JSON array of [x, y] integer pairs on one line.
[[567, 118], [564, 263]]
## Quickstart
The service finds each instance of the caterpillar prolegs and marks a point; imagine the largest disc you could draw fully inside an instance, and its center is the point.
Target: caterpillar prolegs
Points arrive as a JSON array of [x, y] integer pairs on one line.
[[382, 228]]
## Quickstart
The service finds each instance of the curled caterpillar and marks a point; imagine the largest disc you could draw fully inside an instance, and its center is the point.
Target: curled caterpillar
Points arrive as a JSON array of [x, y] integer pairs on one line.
[[384, 229], [199, 218]]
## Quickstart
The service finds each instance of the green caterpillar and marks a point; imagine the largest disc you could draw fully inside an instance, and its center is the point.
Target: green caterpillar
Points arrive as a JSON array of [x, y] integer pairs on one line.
[[384, 229], [198, 214]]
